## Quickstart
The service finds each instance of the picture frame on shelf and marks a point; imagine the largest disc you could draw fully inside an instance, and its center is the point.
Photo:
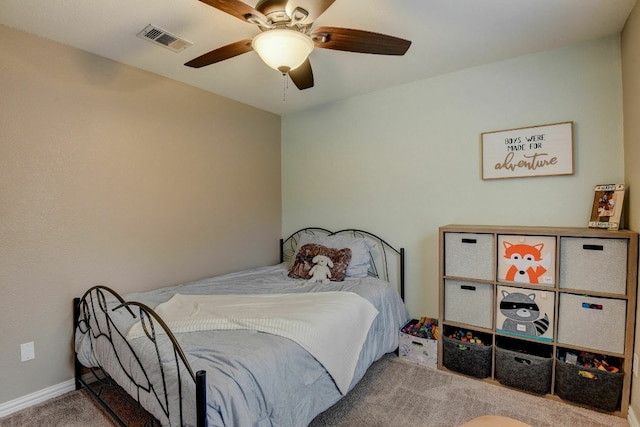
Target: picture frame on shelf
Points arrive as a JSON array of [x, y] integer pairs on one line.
[[606, 211]]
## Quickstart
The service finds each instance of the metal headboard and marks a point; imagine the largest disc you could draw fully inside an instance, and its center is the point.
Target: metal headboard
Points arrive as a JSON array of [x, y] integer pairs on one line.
[[386, 262]]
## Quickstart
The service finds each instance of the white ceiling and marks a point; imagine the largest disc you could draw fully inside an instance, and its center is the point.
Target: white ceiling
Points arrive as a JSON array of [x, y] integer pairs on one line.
[[447, 35]]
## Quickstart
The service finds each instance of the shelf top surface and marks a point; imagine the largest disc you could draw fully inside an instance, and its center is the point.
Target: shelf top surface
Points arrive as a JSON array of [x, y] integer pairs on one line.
[[539, 230]]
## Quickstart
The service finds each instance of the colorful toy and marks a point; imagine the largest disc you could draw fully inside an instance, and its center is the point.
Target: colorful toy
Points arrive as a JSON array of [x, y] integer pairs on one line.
[[589, 360], [587, 374], [465, 337], [425, 327]]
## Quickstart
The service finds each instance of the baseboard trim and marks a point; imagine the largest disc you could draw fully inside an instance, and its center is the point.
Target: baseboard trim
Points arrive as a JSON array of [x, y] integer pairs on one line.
[[23, 402], [632, 419]]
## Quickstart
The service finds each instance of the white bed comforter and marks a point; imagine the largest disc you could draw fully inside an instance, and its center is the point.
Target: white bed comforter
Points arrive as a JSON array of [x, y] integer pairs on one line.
[[316, 321]]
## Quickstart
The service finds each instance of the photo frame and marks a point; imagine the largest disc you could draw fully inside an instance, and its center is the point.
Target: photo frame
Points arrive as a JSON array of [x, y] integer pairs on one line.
[[527, 259], [542, 150], [606, 211], [525, 313]]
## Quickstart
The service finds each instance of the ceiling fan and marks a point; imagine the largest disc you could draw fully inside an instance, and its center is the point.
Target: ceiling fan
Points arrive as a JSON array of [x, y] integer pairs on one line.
[[286, 38]]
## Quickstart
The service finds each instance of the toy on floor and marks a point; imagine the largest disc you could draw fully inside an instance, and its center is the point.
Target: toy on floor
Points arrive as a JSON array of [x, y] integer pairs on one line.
[[426, 328]]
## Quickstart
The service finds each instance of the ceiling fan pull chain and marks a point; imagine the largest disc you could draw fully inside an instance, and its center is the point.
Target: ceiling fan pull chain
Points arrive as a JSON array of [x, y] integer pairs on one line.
[[285, 86]]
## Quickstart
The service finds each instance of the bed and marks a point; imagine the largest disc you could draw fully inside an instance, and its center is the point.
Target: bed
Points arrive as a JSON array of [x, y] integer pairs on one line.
[[261, 347]]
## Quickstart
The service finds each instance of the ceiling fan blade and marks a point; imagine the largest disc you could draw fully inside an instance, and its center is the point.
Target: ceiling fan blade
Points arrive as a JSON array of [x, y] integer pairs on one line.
[[302, 76], [222, 53], [314, 8], [235, 8], [351, 40]]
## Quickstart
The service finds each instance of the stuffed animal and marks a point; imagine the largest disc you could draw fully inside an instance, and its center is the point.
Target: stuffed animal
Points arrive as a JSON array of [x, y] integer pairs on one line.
[[320, 271]]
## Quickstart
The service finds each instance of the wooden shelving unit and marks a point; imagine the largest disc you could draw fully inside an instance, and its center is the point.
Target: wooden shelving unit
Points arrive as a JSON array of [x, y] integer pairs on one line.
[[587, 292]]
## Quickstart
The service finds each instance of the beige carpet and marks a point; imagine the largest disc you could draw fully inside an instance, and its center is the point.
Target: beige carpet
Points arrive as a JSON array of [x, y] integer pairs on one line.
[[396, 393], [392, 394], [73, 409]]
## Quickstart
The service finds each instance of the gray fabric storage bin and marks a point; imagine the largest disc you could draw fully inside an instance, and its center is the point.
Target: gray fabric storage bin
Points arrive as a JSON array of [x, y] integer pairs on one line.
[[469, 255], [468, 302], [593, 264], [600, 329], [601, 393], [524, 369], [466, 358]]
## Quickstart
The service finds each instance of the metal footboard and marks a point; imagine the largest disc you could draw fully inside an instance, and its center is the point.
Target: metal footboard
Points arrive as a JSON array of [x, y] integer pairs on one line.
[[152, 374]]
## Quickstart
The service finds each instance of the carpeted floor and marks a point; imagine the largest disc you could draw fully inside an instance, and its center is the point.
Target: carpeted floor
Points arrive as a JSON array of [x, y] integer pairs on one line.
[[80, 409], [395, 393], [74, 409], [392, 393]]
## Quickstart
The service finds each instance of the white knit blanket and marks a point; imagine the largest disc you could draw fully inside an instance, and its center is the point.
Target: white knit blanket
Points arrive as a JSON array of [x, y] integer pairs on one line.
[[332, 326]]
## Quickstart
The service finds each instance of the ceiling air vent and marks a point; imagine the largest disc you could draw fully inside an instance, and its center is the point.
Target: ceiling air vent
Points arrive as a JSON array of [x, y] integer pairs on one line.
[[164, 38]]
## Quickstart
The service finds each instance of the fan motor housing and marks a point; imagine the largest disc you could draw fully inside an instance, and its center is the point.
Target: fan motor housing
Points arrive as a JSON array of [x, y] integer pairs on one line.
[[275, 10], [276, 13]]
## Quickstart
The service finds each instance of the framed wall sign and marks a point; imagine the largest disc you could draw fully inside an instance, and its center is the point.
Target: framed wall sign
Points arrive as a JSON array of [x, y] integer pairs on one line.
[[525, 152]]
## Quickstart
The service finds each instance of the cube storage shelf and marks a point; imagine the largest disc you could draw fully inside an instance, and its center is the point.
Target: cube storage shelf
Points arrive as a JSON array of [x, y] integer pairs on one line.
[[534, 294]]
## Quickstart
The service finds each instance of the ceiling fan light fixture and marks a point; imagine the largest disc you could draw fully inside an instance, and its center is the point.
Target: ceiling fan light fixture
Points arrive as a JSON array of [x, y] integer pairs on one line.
[[283, 49]]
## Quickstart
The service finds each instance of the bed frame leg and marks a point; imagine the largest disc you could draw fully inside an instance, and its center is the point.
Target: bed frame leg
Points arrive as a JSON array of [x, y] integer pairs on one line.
[[77, 365], [201, 398], [402, 273], [281, 250]]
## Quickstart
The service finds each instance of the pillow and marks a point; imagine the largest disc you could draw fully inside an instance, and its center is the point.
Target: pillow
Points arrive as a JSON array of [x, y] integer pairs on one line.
[[360, 250], [304, 261]]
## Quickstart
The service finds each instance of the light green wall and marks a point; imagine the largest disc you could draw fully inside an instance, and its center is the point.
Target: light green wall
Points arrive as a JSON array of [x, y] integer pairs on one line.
[[406, 160]]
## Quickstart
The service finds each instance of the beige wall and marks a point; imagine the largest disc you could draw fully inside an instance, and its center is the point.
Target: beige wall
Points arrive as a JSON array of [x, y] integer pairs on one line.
[[630, 42], [112, 175]]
